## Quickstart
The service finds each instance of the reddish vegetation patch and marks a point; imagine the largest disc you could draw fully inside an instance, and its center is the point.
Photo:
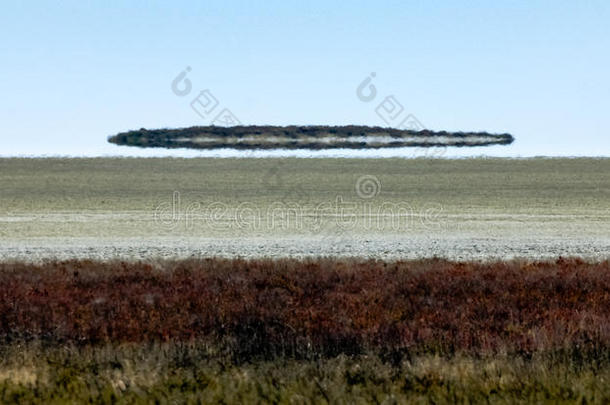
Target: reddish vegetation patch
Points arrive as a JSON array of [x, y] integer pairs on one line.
[[323, 306]]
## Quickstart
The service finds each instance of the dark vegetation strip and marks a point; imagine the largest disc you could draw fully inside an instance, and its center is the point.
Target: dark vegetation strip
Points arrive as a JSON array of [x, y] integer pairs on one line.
[[313, 308], [293, 137]]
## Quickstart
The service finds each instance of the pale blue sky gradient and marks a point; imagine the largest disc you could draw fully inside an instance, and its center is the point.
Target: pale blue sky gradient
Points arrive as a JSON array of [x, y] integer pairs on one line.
[[75, 72]]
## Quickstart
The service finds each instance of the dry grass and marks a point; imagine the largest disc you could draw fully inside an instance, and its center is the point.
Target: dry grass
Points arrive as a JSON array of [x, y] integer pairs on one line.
[[303, 309], [312, 331], [184, 373]]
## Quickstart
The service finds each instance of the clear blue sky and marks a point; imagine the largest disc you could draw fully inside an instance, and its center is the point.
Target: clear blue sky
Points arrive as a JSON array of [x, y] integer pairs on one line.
[[74, 72]]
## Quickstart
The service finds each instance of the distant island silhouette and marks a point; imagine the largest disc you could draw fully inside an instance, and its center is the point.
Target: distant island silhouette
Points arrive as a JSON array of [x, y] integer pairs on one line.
[[315, 137]]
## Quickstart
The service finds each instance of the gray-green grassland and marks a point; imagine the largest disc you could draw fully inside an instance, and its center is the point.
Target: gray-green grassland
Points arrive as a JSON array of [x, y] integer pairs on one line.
[[388, 208]]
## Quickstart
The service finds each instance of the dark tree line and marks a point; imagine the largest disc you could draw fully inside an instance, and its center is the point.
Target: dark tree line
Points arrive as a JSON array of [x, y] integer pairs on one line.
[[300, 137]]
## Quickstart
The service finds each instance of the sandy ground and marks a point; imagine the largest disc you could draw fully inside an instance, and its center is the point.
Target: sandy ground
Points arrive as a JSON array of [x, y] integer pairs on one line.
[[456, 248], [140, 235], [390, 209]]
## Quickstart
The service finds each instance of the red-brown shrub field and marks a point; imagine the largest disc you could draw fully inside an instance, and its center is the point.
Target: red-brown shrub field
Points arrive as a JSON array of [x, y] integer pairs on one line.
[[316, 307]]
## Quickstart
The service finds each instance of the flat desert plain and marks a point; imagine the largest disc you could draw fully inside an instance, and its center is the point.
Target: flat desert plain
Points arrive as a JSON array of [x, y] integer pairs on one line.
[[462, 209]]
